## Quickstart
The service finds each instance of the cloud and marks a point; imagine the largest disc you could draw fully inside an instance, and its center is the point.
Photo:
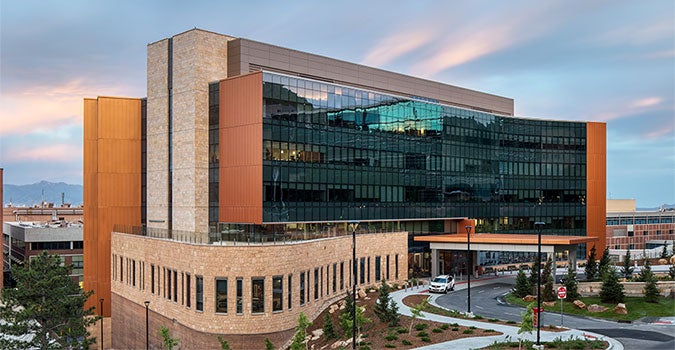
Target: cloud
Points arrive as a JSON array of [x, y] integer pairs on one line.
[[646, 102], [396, 45], [632, 108], [45, 107], [661, 132], [636, 34], [52, 153]]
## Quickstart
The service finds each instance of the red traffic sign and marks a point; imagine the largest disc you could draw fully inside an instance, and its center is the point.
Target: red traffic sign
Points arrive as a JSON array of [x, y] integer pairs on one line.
[[562, 292]]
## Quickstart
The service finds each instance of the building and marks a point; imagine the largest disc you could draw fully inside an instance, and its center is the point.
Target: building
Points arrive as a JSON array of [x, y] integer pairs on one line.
[[628, 228], [226, 198], [23, 240], [42, 214], [2, 205]]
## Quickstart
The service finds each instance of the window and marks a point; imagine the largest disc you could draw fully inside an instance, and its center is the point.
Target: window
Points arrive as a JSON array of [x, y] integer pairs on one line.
[[240, 296], [302, 288], [182, 288], [387, 268], [658, 232], [277, 293], [368, 271], [377, 268], [644, 233], [114, 267], [121, 269], [290, 291], [188, 301], [78, 264], [396, 267], [200, 293], [342, 275], [316, 283], [308, 288], [168, 284], [175, 286], [257, 295], [78, 244], [334, 278], [362, 267], [221, 295]]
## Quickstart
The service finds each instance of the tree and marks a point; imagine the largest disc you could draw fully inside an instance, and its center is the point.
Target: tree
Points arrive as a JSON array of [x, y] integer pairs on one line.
[[268, 344], [385, 308], [664, 252], [548, 292], [347, 324], [416, 312], [611, 290], [46, 303], [570, 282], [527, 322], [168, 342], [650, 290], [534, 273], [328, 329], [523, 286], [646, 272], [671, 272], [224, 345], [605, 263], [627, 269], [591, 266], [300, 333]]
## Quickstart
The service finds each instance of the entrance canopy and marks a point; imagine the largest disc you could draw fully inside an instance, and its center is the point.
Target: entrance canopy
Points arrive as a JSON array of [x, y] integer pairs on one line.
[[503, 242]]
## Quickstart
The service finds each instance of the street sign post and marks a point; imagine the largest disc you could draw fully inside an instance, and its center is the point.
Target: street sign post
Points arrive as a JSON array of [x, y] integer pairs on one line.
[[562, 294]]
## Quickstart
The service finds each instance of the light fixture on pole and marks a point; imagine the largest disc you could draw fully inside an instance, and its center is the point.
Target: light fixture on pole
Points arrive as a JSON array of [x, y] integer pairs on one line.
[[147, 324], [539, 226], [101, 312], [354, 225], [469, 268]]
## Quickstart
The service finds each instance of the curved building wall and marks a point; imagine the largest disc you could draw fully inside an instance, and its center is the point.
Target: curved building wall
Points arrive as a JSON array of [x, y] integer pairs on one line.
[[166, 272]]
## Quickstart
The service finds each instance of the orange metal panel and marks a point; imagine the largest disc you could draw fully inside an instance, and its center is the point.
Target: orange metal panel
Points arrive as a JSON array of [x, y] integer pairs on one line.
[[241, 149], [112, 184], [596, 183]]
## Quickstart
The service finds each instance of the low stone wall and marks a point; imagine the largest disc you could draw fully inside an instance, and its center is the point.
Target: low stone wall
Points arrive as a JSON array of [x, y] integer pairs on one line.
[[631, 289]]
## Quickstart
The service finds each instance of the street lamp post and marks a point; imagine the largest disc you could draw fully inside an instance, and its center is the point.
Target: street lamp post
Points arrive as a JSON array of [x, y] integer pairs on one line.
[[468, 268], [147, 324], [538, 225], [354, 225], [101, 312]]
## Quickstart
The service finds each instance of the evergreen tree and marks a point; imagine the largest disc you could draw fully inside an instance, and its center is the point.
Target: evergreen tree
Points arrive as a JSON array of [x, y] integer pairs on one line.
[[361, 320], [611, 290], [671, 272], [605, 264], [547, 293], [534, 274], [46, 304], [646, 272], [385, 308], [650, 290], [268, 344], [523, 286], [300, 333], [627, 268], [664, 252], [570, 282], [328, 329], [591, 266]]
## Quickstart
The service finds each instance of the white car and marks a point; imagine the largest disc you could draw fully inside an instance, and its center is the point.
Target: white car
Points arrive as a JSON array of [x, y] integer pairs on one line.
[[442, 284]]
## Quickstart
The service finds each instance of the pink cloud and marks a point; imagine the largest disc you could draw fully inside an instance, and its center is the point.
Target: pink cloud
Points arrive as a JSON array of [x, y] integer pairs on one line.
[[627, 109], [397, 45], [44, 107], [52, 153], [646, 102], [661, 132]]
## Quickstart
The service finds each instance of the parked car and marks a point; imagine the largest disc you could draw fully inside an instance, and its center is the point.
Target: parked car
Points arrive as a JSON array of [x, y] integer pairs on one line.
[[442, 284]]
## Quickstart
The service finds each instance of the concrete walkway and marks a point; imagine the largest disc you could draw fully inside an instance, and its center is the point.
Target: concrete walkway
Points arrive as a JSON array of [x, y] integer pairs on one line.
[[510, 333]]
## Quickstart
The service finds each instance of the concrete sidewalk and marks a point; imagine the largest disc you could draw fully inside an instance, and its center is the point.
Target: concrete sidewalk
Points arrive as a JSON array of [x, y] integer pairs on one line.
[[510, 333]]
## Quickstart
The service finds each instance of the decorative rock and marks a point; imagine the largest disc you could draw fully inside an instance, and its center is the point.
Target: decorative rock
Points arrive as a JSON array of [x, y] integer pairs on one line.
[[620, 308], [549, 303], [663, 261], [361, 293], [672, 260], [316, 334], [338, 344], [580, 304], [596, 308], [529, 298]]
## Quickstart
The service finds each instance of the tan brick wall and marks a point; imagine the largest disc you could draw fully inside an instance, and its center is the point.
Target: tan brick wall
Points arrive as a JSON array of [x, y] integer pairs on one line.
[[199, 57], [211, 261], [157, 135]]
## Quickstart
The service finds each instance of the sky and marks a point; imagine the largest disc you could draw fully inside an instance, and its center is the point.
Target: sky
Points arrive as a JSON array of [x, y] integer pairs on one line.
[[606, 61]]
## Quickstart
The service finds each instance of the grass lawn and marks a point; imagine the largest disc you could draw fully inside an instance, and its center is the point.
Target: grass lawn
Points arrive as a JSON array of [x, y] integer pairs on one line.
[[636, 307]]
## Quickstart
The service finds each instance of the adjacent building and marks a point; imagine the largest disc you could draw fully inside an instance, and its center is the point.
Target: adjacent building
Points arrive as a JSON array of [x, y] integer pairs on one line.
[[225, 200], [23, 240], [630, 229]]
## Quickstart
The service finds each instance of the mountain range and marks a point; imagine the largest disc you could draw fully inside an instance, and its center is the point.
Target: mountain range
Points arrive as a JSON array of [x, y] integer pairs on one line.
[[33, 194]]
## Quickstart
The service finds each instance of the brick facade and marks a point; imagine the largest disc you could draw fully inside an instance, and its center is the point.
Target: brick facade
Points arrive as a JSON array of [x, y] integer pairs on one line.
[[135, 256]]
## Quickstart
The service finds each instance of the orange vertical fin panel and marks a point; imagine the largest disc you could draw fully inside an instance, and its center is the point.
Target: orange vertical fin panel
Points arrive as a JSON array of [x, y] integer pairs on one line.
[[596, 184], [241, 149]]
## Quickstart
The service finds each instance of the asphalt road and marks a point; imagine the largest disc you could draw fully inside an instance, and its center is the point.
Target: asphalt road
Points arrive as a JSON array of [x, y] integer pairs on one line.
[[486, 301]]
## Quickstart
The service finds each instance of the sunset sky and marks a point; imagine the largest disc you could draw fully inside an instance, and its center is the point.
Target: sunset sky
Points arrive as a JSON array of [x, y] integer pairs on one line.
[[611, 61]]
